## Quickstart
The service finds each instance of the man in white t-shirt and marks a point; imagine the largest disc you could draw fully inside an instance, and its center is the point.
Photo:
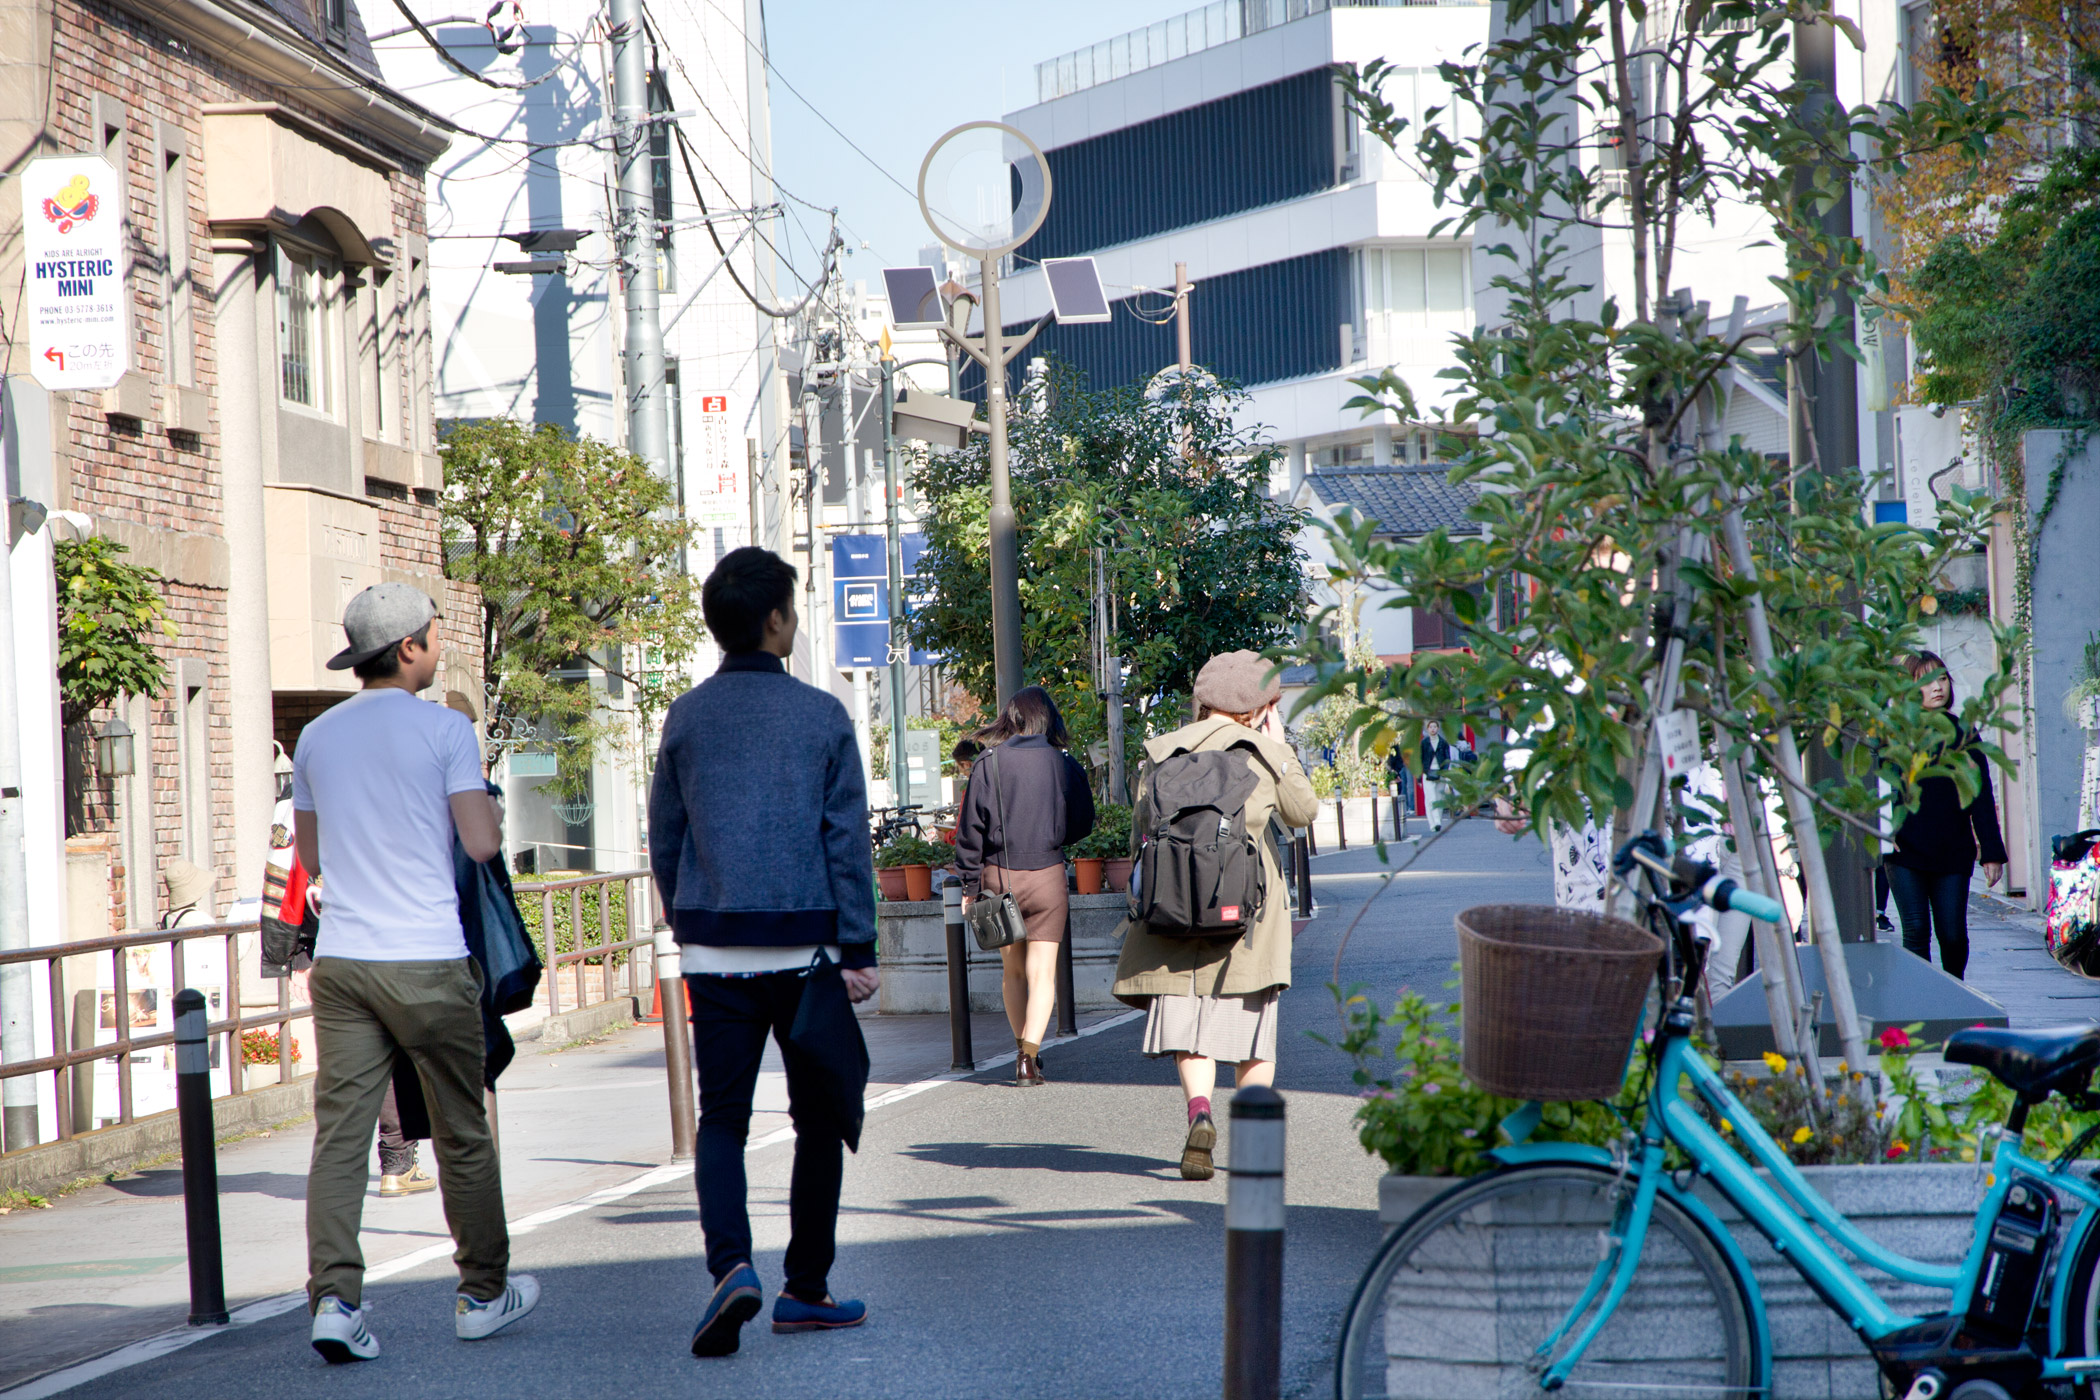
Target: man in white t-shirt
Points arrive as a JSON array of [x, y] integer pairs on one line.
[[380, 783]]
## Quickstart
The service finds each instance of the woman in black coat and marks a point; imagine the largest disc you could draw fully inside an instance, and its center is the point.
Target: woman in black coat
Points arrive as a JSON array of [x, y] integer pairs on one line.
[[1027, 800], [1938, 846]]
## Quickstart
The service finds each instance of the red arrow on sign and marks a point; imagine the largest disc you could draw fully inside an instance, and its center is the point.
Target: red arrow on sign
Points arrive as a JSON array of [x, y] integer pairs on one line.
[[54, 353]]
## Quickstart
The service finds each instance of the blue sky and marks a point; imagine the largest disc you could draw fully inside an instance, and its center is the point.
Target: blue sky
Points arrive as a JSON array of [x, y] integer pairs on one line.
[[893, 76]]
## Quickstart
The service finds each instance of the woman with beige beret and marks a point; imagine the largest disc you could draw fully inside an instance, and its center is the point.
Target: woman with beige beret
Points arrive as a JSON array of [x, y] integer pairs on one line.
[[1212, 999]]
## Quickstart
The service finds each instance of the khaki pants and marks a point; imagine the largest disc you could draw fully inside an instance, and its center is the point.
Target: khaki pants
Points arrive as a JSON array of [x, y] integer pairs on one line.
[[363, 1013]]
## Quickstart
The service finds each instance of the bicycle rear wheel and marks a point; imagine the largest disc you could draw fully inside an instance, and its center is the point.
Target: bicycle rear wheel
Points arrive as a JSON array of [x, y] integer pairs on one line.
[[1460, 1299]]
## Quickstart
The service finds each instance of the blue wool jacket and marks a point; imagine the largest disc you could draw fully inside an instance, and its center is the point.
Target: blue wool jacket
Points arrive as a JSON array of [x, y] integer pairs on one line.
[[758, 818]]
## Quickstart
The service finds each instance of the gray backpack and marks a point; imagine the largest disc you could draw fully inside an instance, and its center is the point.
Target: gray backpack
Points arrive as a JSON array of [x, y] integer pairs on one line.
[[1199, 872]]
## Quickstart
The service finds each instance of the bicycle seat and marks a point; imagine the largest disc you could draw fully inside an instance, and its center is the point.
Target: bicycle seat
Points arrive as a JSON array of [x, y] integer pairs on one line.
[[2033, 1064]]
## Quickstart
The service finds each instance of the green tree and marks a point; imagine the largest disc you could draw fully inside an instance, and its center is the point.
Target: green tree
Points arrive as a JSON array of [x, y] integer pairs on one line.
[[108, 611], [579, 553], [1155, 509], [1605, 475]]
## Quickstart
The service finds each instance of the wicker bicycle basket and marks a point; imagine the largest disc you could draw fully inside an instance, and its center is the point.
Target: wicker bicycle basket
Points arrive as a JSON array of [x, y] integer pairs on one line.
[[1552, 999]]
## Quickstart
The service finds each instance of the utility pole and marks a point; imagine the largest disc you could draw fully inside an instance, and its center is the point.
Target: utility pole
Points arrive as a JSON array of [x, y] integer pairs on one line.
[[1824, 430], [900, 646], [642, 357], [1181, 316]]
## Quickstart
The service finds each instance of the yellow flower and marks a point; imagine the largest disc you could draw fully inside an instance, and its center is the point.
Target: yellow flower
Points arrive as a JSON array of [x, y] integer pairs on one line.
[[1802, 1135], [1726, 1126], [1775, 1063]]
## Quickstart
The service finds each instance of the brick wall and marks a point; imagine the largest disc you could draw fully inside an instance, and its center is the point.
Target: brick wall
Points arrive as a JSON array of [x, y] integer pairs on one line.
[[121, 470]]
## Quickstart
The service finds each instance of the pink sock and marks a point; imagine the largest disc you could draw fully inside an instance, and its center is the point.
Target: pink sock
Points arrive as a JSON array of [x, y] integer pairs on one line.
[[1197, 1106]]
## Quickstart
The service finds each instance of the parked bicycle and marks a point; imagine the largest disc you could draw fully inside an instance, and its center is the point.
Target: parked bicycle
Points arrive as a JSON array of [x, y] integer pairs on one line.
[[892, 822], [1600, 1272]]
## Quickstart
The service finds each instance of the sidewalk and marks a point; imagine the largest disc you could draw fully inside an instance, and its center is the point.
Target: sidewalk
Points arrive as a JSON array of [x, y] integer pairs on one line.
[[105, 1266]]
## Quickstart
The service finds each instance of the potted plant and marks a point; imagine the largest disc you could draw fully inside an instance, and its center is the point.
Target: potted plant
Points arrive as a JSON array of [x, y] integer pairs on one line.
[[259, 1058], [1112, 835], [904, 867]]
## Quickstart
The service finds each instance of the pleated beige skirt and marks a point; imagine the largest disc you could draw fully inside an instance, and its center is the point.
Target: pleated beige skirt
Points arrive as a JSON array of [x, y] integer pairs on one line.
[[1232, 1029]]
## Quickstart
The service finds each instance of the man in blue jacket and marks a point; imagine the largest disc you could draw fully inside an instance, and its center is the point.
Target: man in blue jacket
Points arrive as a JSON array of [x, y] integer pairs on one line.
[[758, 838]]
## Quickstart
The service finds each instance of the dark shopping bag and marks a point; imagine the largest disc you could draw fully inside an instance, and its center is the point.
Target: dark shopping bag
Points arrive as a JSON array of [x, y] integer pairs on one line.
[[826, 1037]]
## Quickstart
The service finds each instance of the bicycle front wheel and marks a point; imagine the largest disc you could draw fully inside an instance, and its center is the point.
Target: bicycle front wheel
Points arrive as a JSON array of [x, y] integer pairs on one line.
[[1462, 1300]]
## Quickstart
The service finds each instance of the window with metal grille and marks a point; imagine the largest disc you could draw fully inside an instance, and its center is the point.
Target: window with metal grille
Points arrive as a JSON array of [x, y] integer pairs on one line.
[[302, 307]]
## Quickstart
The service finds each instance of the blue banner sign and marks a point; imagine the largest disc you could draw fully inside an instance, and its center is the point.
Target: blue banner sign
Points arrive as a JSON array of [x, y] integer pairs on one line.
[[860, 601]]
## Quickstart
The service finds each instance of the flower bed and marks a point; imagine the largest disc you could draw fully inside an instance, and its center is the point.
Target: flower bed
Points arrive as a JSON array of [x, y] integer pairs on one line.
[[1423, 1117], [259, 1047]]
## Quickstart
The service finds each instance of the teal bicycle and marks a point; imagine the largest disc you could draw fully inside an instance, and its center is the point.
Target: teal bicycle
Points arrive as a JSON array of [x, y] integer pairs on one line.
[[1602, 1273]]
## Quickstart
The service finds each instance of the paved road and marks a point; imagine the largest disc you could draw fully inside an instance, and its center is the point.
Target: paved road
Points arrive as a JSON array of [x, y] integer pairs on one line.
[[1009, 1242]]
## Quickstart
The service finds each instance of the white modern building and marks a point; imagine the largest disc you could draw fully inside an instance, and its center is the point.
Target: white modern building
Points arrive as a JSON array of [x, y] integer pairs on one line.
[[1220, 139], [527, 302]]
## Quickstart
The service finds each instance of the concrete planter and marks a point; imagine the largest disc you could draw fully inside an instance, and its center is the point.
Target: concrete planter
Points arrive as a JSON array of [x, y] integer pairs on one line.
[[912, 942], [1356, 818], [1924, 1210]]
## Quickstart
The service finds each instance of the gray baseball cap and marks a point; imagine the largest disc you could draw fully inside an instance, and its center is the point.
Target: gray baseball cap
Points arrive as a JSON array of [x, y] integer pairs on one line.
[[377, 618]]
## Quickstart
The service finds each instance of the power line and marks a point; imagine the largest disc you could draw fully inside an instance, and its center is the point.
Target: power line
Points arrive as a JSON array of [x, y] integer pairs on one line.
[[767, 59], [685, 157], [446, 54]]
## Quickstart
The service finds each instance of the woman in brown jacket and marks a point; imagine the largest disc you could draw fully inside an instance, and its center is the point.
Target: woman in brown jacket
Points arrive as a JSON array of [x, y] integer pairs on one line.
[[1211, 999]]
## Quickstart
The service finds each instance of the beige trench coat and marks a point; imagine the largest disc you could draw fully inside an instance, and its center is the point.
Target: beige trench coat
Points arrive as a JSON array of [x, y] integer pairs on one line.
[[1261, 958]]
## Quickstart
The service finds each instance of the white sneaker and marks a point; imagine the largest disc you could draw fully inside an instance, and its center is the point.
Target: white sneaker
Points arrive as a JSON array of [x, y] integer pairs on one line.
[[340, 1333], [473, 1320]]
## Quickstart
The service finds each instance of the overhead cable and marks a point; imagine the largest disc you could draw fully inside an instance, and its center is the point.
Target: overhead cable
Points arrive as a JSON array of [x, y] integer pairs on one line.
[[446, 54], [685, 157]]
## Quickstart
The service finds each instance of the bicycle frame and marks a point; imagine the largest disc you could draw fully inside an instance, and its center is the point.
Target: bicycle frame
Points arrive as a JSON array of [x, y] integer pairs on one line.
[[1789, 1213]]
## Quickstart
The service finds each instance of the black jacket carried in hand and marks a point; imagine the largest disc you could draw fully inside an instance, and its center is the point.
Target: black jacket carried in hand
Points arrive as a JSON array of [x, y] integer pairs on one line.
[[1045, 801], [1945, 838]]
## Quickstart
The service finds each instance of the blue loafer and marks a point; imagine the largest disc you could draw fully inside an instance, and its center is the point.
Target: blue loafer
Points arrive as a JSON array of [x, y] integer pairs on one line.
[[791, 1314], [735, 1302]]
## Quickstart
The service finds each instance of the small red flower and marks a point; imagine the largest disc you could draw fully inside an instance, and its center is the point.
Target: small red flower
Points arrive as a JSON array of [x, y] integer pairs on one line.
[[1894, 1038]]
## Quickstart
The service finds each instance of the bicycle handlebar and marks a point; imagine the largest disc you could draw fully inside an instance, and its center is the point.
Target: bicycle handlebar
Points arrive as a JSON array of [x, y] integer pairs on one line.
[[1757, 906], [1713, 890]]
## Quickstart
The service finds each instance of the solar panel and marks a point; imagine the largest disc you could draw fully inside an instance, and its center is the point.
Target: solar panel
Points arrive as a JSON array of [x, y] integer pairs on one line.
[[915, 297], [1076, 293]]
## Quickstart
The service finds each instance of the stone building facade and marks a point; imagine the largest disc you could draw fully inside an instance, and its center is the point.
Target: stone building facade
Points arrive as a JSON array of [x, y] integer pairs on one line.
[[271, 450]]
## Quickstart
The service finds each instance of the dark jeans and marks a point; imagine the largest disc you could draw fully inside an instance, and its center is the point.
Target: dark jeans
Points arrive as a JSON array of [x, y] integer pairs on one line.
[[731, 1018], [1929, 904]]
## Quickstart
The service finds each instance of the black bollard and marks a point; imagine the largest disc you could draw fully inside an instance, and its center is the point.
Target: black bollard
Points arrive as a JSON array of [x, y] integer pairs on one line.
[[1067, 1009], [958, 978], [1254, 1247], [1341, 831], [200, 1160]]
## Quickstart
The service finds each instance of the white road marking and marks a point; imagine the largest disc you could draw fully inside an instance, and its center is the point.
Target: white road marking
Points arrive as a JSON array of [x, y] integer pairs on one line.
[[174, 1340]]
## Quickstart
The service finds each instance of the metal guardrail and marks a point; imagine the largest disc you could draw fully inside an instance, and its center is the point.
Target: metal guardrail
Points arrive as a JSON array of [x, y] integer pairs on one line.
[[76, 1010], [1193, 31], [639, 914], [70, 1061]]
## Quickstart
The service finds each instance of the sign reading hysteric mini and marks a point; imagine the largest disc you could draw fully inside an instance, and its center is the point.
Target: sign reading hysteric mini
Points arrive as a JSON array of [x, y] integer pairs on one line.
[[76, 290]]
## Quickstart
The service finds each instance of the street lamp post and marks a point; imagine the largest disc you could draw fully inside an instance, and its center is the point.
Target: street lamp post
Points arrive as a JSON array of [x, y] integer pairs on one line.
[[960, 157]]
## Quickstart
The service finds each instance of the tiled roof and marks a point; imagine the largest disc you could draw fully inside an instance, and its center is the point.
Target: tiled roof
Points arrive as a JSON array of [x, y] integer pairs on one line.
[[1403, 500]]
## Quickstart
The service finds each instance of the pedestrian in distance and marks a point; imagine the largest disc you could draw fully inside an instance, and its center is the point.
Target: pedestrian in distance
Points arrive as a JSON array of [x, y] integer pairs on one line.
[[1437, 757], [1208, 999], [1939, 846], [758, 839], [380, 784], [1028, 799]]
